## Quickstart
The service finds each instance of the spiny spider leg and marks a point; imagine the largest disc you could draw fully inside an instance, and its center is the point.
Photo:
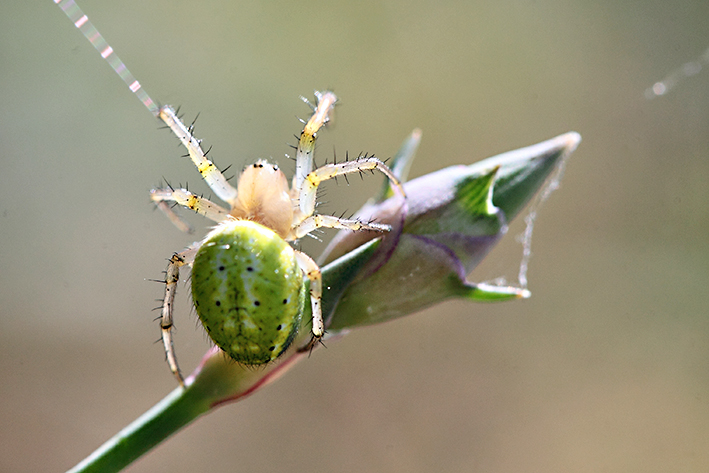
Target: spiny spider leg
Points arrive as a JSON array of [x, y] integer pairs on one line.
[[172, 276], [185, 198], [328, 221], [214, 178], [312, 272], [310, 185], [306, 144], [176, 220]]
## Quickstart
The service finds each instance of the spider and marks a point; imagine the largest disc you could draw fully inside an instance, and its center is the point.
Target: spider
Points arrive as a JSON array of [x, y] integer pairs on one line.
[[247, 280]]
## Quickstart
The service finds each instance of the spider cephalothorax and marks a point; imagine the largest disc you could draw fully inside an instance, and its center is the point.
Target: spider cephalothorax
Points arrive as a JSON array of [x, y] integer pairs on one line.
[[247, 281]]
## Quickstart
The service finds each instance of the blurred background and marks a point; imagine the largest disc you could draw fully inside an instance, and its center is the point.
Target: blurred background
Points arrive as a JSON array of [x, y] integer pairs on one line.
[[603, 369]]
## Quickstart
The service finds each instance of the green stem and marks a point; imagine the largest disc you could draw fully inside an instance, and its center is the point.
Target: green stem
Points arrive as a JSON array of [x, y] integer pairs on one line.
[[216, 381], [176, 410]]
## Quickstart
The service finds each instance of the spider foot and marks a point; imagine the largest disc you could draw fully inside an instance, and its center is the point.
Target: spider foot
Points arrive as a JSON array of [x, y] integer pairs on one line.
[[310, 346]]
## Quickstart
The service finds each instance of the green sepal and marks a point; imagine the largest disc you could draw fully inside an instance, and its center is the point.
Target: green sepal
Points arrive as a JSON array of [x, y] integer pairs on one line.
[[474, 194], [483, 292], [401, 163]]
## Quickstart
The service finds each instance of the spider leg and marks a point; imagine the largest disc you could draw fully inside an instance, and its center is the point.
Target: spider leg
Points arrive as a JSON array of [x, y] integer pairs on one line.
[[214, 178], [306, 144], [312, 272], [172, 276], [187, 199], [308, 191], [176, 220], [328, 221]]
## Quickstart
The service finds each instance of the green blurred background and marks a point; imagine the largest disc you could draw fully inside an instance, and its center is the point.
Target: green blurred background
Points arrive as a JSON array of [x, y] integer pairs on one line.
[[604, 369]]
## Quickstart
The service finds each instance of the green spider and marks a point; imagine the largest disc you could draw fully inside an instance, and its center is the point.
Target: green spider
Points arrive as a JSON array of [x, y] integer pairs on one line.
[[247, 280]]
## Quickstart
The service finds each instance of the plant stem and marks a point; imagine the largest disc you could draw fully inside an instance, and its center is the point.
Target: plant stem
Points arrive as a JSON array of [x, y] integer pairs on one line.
[[177, 409]]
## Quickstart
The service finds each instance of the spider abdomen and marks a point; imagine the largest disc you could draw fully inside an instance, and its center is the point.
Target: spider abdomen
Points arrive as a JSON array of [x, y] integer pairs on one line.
[[248, 291]]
